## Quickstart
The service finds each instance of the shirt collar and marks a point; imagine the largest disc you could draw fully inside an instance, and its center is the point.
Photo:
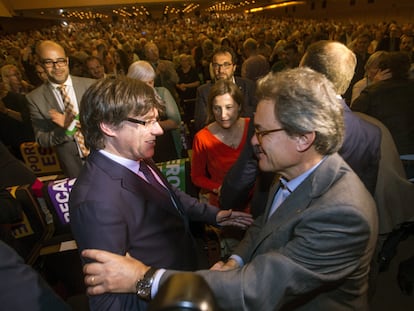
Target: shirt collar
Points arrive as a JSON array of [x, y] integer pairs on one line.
[[128, 163], [291, 185], [68, 82]]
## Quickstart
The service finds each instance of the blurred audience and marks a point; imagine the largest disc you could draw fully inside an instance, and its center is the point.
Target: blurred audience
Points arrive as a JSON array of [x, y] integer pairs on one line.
[[95, 67], [373, 73], [15, 124], [255, 65], [168, 146], [13, 81], [390, 101]]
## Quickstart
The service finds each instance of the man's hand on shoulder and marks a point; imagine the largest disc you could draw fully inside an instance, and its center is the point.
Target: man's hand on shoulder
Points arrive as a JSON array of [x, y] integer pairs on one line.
[[111, 272]]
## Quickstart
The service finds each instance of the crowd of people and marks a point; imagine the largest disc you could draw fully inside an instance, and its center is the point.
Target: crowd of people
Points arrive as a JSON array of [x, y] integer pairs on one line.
[[285, 118]]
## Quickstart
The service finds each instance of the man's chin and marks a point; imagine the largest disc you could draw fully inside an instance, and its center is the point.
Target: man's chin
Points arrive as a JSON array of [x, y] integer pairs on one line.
[[150, 155], [263, 164]]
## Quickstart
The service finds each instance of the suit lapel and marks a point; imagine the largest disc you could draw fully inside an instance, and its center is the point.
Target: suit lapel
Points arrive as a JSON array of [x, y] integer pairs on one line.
[[50, 98], [301, 198], [131, 181], [176, 202], [78, 87]]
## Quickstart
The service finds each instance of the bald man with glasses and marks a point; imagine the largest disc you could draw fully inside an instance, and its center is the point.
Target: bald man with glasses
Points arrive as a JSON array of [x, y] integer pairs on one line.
[[53, 123]]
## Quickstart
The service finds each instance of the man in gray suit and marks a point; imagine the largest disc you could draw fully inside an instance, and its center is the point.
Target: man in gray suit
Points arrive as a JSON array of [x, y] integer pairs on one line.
[[53, 126], [312, 247]]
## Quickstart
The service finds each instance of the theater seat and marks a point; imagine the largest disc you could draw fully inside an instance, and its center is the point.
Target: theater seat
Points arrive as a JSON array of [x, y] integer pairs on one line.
[[32, 231], [56, 196]]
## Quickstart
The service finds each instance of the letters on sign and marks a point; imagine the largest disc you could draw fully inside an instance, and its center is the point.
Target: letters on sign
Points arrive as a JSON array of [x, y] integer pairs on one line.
[[59, 195], [174, 171], [40, 160]]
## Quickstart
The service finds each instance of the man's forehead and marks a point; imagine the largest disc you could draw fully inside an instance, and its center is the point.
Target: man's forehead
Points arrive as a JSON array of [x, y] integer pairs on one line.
[[264, 112], [223, 55]]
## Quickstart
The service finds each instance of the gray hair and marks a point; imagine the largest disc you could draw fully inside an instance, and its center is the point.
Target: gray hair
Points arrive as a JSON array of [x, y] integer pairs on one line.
[[334, 60], [305, 101], [375, 59], [141, 70]]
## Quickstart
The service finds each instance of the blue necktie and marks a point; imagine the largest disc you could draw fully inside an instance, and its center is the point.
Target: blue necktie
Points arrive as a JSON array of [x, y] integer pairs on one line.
[[280, 196]]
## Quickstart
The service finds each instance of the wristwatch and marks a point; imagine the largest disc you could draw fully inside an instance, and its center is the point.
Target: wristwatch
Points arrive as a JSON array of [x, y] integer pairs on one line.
[[144, 285]]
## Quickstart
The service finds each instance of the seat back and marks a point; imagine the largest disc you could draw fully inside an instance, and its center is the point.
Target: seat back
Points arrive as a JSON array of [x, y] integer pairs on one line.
[[56, 194], [32, 230]]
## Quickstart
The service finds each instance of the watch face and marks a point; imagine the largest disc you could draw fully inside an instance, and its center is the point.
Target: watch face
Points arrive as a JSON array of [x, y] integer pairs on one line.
[[143, 286], [143, 289]]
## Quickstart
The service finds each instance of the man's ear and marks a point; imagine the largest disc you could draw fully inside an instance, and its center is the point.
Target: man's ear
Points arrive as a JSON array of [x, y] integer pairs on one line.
[[107, 129], [305, 141]]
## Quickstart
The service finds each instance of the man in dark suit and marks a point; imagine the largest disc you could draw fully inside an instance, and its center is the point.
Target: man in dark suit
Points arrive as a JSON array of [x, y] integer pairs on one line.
[[223, 66], [121, 202], [391, 102], [53, 124], [311, 249]]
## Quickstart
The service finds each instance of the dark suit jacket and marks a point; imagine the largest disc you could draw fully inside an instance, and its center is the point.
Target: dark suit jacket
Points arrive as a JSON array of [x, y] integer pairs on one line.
[[392, 102], [248, 88], [22, 288], [361, 148], [113, 209], [47, 133], [313, 253]]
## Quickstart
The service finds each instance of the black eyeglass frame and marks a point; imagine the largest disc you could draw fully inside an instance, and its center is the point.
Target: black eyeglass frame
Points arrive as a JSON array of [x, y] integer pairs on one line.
[[60, 62], [224, 66], [144, 123]]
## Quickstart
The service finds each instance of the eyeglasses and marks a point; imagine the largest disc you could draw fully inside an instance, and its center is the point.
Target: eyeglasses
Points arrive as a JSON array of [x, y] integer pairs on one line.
[[60, 62], [147, 124], [224, 65], [260, 134]]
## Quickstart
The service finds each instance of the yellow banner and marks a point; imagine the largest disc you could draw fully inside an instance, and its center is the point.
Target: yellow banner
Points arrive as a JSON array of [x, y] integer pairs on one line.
[[41, 160]]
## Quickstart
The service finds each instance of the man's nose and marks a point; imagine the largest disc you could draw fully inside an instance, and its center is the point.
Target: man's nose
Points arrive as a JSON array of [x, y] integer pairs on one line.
[[157, 129]]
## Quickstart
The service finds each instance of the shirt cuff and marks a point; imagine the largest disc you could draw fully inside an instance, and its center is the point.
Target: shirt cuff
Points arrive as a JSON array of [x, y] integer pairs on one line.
[[156, 282], [238, 259]]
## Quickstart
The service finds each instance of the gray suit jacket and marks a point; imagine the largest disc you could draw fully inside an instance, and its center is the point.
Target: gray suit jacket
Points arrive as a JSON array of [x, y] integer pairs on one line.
[[47, 133], [312, 254]]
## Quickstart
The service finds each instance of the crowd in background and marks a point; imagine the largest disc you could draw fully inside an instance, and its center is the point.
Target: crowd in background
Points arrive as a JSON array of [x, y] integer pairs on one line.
[[120, 44], [182, 55], [98, 48]]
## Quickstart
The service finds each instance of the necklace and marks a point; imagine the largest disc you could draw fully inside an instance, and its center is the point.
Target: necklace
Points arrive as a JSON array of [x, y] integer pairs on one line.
[[231, 136]]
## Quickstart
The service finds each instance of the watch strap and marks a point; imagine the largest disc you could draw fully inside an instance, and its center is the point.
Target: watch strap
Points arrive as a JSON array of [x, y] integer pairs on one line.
[[143, 286]]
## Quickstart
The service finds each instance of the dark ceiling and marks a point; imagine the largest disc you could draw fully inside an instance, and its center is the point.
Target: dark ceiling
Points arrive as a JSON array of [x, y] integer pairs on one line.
[[155, 9]]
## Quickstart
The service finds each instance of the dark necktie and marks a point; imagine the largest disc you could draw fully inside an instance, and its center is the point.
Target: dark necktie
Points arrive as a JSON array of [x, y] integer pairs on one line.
[[143, 167]]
